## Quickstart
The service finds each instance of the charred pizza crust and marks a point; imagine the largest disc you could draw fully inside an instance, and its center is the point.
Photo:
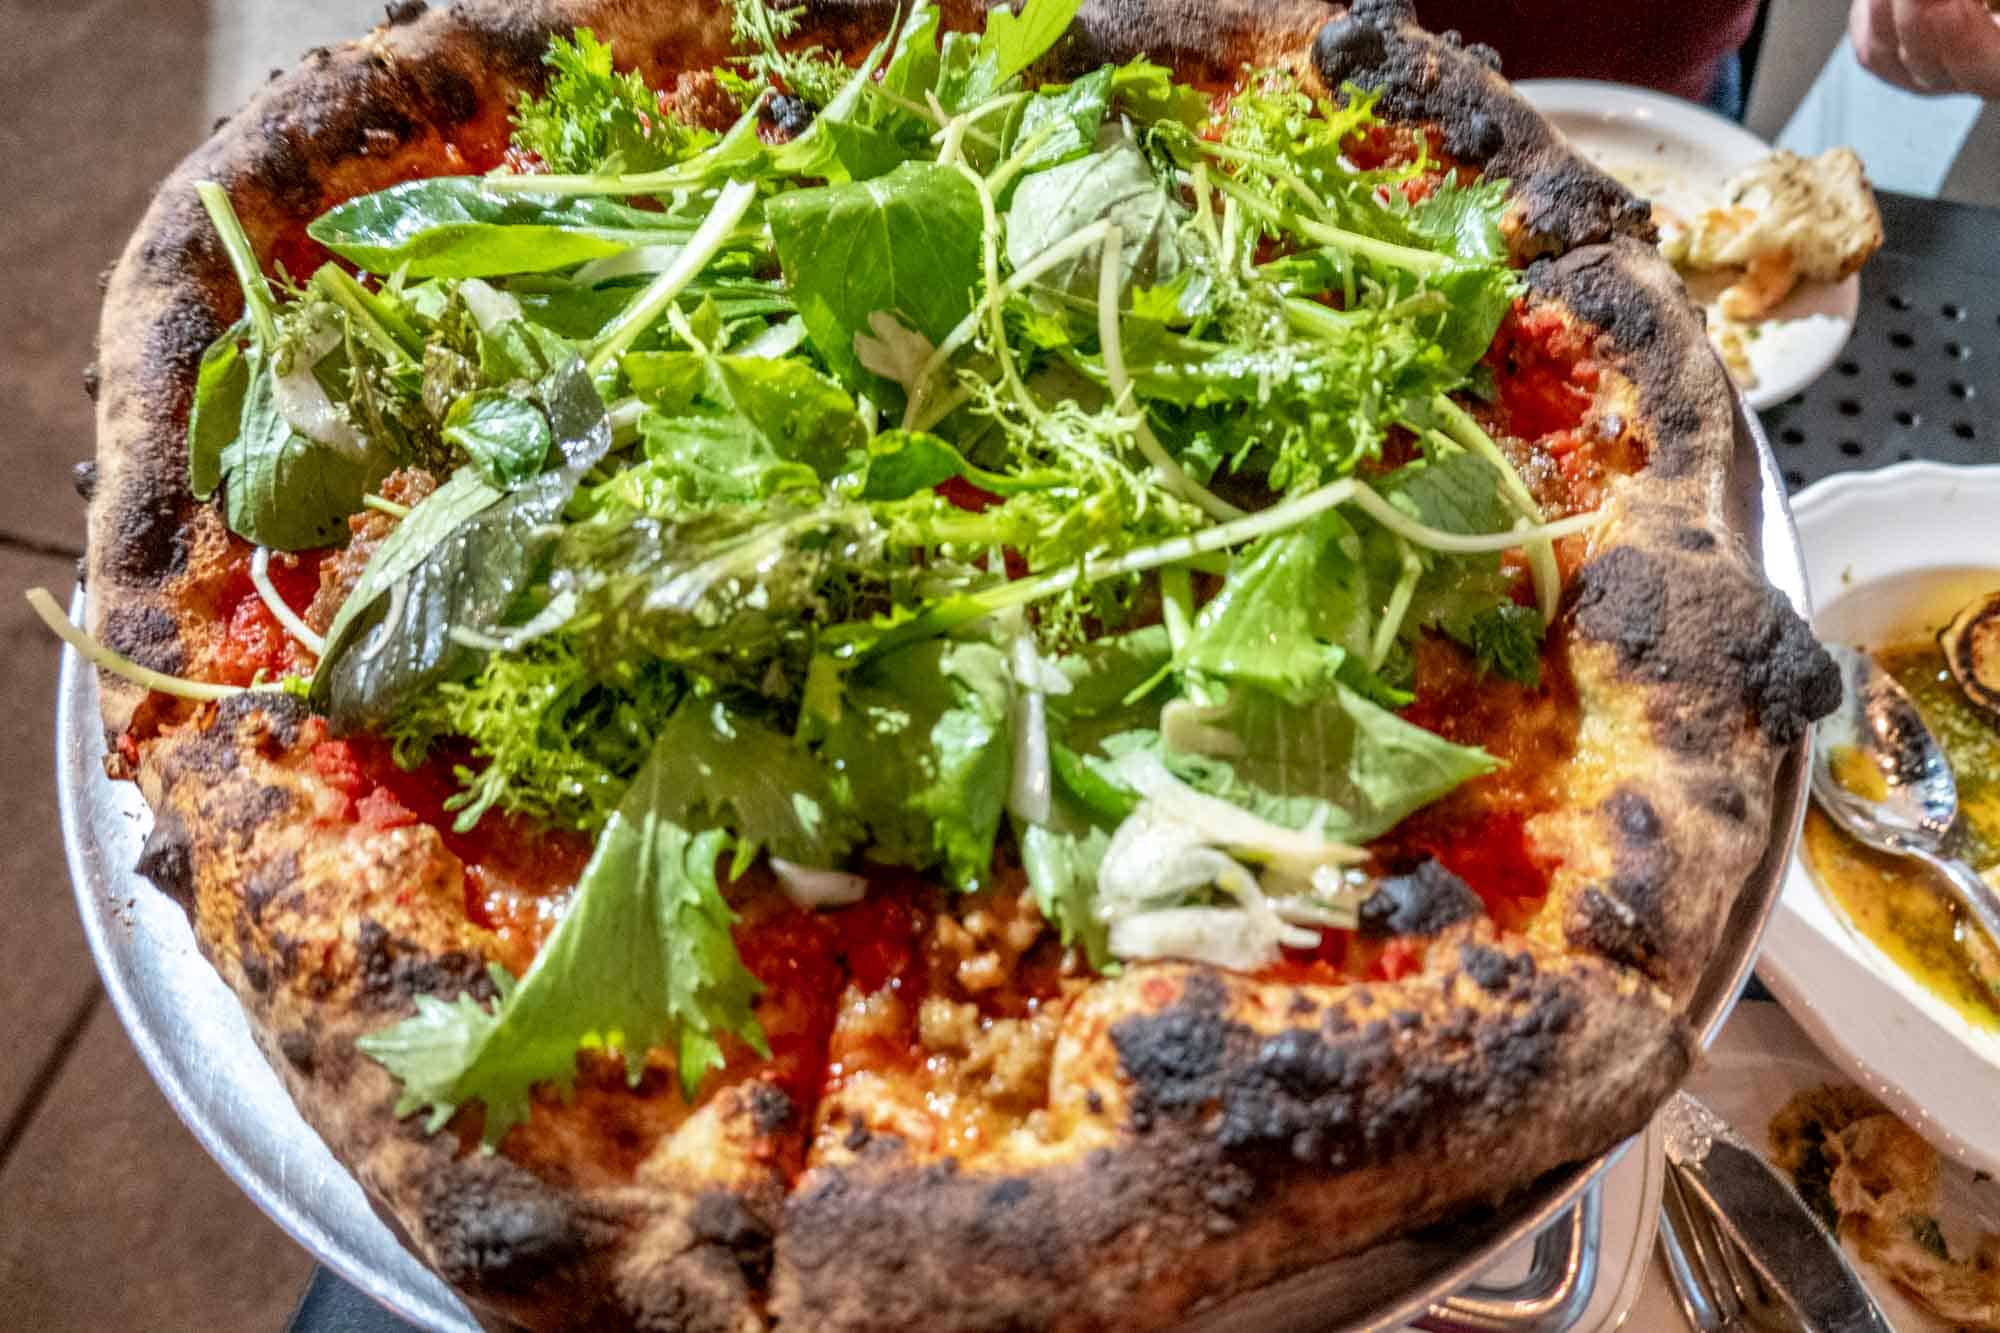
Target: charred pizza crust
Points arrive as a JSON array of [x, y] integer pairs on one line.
[[1206, 1133]]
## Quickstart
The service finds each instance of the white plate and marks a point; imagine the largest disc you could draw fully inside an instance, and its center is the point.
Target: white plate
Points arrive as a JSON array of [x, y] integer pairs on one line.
[[1758, 1064], [1891, 554], [1680, 154]]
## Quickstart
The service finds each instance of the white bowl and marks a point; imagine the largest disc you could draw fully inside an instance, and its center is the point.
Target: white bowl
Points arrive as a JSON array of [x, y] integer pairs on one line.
[[1890, 555]]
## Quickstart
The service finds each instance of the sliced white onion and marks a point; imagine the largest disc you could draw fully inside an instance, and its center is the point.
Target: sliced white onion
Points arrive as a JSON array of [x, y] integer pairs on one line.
[[490, 306], [260, 578], [640, 259], [810, 887], [1186, 726], [1291, 851], [302, 400], [1030, 795], [1223, 936]]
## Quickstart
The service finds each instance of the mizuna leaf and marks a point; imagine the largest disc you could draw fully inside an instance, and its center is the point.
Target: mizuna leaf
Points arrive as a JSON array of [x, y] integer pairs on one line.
[[642, 959]]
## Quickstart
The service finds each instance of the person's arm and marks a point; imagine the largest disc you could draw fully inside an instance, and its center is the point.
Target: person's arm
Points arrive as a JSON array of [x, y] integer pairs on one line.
[[1929, 46]]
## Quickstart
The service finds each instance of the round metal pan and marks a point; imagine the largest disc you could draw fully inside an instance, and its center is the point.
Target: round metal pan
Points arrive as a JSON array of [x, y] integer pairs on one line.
[[192, 1035]]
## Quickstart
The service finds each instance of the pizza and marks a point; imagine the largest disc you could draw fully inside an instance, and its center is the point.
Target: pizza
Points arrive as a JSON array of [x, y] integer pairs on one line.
[[869, 667]]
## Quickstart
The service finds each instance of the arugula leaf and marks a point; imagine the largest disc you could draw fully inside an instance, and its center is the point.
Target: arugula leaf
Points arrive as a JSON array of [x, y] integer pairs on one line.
[[590, 118], [736, 772], [1009, 45], [735, 593], [923, 742], [285, 488], [1117, 185], [974, 763], [1295, 608], [441, 513], [217, 413], [1369, 766], [1108, 675], [1065, 119], [735, 428], [1475, 301], [1462, 220], [1148, 94], [908, 242], [855, 136], [507, 437], [913, 66], [461, 227], [642, 958]]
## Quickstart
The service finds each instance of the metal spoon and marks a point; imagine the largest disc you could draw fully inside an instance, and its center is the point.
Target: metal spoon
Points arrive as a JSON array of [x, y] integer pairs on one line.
[[1918, 816]]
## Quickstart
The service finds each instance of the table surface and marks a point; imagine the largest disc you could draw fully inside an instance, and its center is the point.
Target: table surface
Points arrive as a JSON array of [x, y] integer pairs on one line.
[[1920, 379]]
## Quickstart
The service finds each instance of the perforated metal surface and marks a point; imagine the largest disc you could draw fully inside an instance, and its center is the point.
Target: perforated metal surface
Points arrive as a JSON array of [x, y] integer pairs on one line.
[[1921, 377]]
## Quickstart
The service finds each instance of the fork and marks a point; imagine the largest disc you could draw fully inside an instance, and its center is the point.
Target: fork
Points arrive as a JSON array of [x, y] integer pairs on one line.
[[1718, 1291]]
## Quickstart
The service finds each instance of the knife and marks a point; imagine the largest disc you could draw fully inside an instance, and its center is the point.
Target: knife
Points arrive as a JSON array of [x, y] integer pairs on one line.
[[1777, 1233]]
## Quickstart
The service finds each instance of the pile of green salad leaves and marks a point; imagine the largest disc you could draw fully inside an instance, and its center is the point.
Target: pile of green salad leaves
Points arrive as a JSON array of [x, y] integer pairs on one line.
[[966, 482]]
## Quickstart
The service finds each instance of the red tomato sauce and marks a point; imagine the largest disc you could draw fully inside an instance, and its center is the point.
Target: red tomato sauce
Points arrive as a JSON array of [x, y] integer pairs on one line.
[[252, 641], [518, 874]]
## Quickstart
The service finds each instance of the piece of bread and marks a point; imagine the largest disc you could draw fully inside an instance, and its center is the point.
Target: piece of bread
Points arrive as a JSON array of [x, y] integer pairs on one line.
[[1786, 219]]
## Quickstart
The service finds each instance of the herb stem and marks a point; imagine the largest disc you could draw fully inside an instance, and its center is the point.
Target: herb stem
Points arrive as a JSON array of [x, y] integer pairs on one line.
[[1407, 258], [1110, 283], [996, 319], [1422, 263], [1204, 198], [1462, 429], [1177, 605], [384, 505], [100, 655], [951, 139], [915, 417], [1262, 162], [382, 326], [1003, 175], [281, 611], [257, 297], [1399, 604], [1281, 517], [646, 308], [909, 105]]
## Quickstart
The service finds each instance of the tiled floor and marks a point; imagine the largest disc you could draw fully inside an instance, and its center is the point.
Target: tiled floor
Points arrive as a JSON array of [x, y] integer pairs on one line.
[[111, 1217]]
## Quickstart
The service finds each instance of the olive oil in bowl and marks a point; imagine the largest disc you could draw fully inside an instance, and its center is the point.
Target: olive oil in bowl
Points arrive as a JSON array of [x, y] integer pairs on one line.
[[1895, 902]]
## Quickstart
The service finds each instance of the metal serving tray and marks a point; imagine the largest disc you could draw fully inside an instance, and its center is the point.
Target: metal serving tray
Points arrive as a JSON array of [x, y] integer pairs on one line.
[[192, 1036]]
